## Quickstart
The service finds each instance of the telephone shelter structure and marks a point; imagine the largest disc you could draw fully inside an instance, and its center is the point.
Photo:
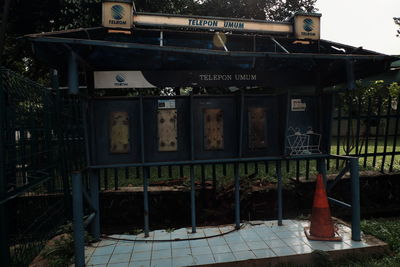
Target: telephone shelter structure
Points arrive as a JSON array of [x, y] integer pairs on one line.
[[290, 118]]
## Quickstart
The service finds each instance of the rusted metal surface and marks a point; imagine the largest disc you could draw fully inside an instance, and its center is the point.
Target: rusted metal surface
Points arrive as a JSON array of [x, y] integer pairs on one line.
[[119, 133], [257, 128], [167, 130], [213, 129]]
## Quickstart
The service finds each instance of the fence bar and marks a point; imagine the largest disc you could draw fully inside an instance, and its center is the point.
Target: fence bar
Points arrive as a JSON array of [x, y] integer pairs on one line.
[[237, 196], [146, 173], [279, 175], [339, 126], [322, 170], [387, 128], [367, 130], [377, 131], [73, 80], [79, 232], [349, 124], [359, 107], [115, 178], [308, 169], [94, 196], [396, 128], [355, 200], [193, 199]]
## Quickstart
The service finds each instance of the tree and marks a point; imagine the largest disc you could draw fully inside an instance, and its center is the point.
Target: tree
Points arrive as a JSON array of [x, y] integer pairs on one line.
[[397, 21], [256, 9]]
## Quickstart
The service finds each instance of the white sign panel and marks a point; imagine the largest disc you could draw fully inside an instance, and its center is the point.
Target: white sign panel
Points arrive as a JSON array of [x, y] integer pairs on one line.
[[120, 79], [211, 23]]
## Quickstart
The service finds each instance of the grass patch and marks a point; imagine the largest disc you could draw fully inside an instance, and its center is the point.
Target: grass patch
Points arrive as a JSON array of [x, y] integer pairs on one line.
[[387, 230]]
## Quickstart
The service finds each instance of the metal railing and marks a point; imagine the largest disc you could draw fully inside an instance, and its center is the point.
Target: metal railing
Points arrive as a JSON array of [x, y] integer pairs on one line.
[[41, 144]]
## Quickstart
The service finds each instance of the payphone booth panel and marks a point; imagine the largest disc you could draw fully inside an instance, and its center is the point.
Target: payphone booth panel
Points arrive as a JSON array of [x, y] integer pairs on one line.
[[309, 125], [115, 125], [264, 120], [215, 127], [166, 129]]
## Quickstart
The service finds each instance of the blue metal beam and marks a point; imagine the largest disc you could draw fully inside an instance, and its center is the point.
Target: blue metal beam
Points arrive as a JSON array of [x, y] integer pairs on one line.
[[199, 162], [78, 226], [355, 200], [280, 204], [125, 45], [94, 195], [237, 196]]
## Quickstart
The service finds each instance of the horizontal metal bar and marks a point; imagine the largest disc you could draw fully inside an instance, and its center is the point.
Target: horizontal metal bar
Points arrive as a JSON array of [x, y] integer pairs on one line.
[[215, 161], [365, 117], [125, 45], [339, 203], [362, 155]]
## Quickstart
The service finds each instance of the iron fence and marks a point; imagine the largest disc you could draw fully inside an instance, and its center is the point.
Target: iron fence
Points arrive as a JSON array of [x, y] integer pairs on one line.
[[41, 144], [365, 127]]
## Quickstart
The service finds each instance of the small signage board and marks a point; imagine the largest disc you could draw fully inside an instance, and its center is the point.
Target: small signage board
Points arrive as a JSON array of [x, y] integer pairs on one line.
[[307, 26], [120, 79], [117, 15]]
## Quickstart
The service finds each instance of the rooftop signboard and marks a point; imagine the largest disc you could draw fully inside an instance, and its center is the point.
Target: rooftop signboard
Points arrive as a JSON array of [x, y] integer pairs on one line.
[[121, 15]]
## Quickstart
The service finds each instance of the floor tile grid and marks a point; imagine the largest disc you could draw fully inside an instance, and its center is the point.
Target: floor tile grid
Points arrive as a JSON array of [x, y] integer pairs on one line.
[[288, 247], [216, 256]]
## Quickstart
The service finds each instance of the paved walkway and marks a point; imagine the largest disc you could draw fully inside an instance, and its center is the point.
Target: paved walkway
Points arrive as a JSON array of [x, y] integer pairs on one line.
[[255, 240]]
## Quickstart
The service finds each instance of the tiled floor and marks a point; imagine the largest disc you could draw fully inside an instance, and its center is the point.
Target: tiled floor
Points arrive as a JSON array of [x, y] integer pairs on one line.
[[254, 240]]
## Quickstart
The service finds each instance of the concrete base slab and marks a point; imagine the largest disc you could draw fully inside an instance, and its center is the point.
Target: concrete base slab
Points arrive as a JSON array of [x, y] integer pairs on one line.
[[257, 243]]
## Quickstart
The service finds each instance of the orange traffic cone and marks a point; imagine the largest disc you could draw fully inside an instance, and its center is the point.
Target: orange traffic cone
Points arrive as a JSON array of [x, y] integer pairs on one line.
[[321, 226]]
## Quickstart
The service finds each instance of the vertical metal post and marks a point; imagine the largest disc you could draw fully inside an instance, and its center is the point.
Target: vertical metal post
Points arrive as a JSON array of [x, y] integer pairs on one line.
[[280, 206], [94, 197], [146, 174], [237, 196], [73, 79], [55, 85], [355, 200], [193, 198], [192, 184], [4, 250], [79, 233]]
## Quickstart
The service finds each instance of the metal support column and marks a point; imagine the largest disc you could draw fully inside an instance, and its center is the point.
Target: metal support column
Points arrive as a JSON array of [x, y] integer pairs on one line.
[[355, 200], [4, 250], [193, 199], [237, 196], [73, 78], [280, 206], [94, 197], [146, 174], [79, 232]]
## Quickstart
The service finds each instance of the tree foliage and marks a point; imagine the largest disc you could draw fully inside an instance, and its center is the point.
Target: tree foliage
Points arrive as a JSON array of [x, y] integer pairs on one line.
[[397, 21]]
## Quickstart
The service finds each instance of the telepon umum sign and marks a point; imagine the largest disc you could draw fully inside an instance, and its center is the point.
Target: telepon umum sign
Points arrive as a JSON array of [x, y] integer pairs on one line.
[[119, 14]]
